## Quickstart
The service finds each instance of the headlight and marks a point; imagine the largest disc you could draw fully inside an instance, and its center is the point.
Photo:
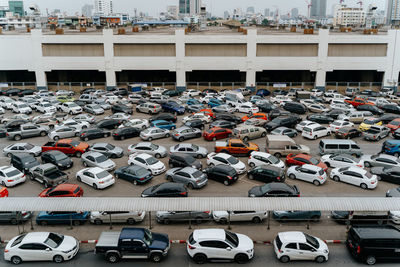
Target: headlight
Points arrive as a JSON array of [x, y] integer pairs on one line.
[[68, 251], [252, 195], [249, 251], [326, 251], [59, 164]]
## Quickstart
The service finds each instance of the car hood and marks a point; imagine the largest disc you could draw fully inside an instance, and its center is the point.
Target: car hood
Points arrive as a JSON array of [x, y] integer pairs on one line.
[[117, 150], [64, 162], [239, 165], [221, 213], [245, 243], [305, 149], [161, 149], [36, 149], [158, 165], [202, 150], [68, 243], [377, 170], [82, 146], [255, 191], [107, 163], [160, 241], [172, 171]]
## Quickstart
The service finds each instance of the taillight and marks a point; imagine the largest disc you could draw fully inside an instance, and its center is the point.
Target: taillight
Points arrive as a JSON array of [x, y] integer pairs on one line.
[[10, 181], [6, 250], [298, 195], [373, 182], [207, 212], [278, 178], [141, 179], [115, 134], [176, 134], [189, 246], [230, 178], [101, 182], [140, 214], [183, 194], [358, 249]]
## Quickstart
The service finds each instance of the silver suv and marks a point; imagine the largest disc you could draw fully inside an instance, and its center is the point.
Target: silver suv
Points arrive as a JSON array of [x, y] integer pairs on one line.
[[249, 132], [150, 108], [188, 176], [180, 216]]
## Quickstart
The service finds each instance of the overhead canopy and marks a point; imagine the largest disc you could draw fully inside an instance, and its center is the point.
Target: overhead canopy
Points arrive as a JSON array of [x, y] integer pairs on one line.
[[199, 204]]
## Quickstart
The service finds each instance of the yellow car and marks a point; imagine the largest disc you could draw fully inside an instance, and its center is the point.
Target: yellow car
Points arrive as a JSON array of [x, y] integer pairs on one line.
[[368, 122]]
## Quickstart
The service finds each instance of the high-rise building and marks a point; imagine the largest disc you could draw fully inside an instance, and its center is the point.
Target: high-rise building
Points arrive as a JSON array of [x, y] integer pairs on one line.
[[250, 10], [189, 7], [87, 10], [16, 7], [103, 7], [266, 12], [318, 8], [226, 15], [294, 13], [348, 16], [393, 12]]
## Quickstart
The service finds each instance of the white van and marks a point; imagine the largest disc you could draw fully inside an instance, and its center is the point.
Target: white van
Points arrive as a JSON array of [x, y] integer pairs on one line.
[[315, 131]]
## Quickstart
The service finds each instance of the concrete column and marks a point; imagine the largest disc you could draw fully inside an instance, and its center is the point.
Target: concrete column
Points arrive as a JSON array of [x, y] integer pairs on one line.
[[251, 58], [108, 36], [323, 44], [391, 76], [37, 54], [180, 59], [41, 79], [251, 79], [320, 79]]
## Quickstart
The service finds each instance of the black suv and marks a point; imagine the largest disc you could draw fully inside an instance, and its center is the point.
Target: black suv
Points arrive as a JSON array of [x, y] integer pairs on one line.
[[227, 117], [274, 190], [222, 173], [166, 190], [373, 109], [57, 158], [295, 107], [23, 161], [108, 124], [266, 174], [93, 133], [289, 122], [199, 124], [121, 108], [320, 118], [275, 113], [183, 160], [126, 132], [370, 244], [163, 116]]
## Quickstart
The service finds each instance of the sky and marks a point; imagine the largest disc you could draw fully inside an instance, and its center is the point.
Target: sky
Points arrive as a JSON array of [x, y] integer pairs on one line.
[[217, 7]]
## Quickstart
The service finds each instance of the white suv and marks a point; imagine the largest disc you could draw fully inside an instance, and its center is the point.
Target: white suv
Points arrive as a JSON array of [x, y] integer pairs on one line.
[[300, 246], [315, 131], [71, 108], [206, 244], [307, 172]]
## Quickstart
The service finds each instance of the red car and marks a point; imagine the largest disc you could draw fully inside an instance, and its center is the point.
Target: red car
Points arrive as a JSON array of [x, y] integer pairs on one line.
[[260, 116], [3, 192], [63, 190], [207, 111], [394, 125], [67, 146], [216, 133], [358, 101], [301, 159]]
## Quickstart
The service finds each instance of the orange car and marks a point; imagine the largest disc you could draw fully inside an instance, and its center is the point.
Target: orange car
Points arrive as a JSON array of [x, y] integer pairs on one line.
[[358, 101], [3, 192], [207, 111], [260, 116], [394, 125]]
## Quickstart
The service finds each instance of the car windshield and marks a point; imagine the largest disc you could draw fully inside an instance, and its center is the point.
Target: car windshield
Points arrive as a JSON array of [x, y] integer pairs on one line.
[[370, 121], [74, 143], [273, 160], [154, 146], [29, 160], [232, 160], [102, 175], [312, 240], [336, 123], [151, 161], [232, 238], [60, 156], [148, 237], [395, 123], [146, 131], [12, 173], [314, 161], [197, 174], [96, 107], [29, 146], [110, 146], [46, 105], [22, 106], [54, 240], [372, 131], [101, 159], [18, 240]]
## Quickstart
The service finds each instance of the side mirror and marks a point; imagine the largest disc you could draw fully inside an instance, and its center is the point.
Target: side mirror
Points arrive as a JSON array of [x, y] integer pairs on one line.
[[228, 248], [144, 245], [48, 249]]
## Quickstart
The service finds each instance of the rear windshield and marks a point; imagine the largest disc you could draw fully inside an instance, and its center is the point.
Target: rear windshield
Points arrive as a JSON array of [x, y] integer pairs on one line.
[[321, 172], [18, 240], [197, 174], [278, 242], [372, 131], [395, 123], [232, 238], [12, 173], [77, 190], [306, 129]]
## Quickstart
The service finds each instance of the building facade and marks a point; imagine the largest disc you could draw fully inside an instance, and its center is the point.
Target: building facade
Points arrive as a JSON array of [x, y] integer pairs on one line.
[[17, 8], [189, 7], [87, 10], [349, 16], [103, 7], [318, 9], [393, 12]]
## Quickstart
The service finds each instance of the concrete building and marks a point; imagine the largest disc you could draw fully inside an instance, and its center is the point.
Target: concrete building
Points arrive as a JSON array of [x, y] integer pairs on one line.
[[393, 12], [173, 56], [226, 15], [294, 13], [87, 10], [173, 11], [189, 7], [266, 12], [250, 10], [349, 16], [17, 8], [318, 9], [103, 7]]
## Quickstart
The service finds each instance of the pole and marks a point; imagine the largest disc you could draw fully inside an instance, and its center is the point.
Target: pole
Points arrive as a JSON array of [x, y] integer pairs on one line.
[[229, 220], [190, 220], [70, 221], [111, 227], [31, 222], [150, 220], [268, 219]]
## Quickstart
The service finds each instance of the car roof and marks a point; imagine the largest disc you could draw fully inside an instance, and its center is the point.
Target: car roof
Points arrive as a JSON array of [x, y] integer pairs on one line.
[[387, 156], [7, 168], [132, 233], [35, 237], [222, 155], [92, 153], [95, 170], [311, 167], [205, 234], [292, 236], [370, 232], [144, 156], [69, 187], [100, 144], [357, 169]]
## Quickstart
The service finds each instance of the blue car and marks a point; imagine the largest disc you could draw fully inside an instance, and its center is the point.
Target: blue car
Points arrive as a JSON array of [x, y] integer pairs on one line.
[[163, 124], [193, 101], [214, 102], [173, 107], [62, 217], [255, 98], [134, 174], [391, 147], [263, 92]]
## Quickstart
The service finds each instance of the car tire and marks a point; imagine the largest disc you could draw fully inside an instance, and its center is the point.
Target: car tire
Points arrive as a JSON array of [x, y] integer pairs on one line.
[[198, 220], [251, 177], [13, 221], [98, 222], [85, 164], [245, 139], [150, 139], [263, 134], [316, 183], [214, 139], [226, 182], [95, 186], [241, 258], [363, 186], [131, 221], [43, 133], [211, 164], [43, 223], [105, 135], [200, 258], [169, 177], [327, 164], [190, 186], [17, 137], [16, 260], [396, 155], [223, 221], [112, 257], [371, 260], [284, 259], [45, 184], [181, 139], [336, 178], [9, 155], [86, 139], [320, 259], [173, 128], [58, 259], [256, 220], [367, 164], [292, 176], [200, 156], [55, 138], [315, 218]]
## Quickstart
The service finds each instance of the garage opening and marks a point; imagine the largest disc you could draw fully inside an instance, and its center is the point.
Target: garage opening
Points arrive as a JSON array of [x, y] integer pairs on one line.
[[370, 76], [76, 76], [227, 76], [287, 76], [17, 76], [147, 76]]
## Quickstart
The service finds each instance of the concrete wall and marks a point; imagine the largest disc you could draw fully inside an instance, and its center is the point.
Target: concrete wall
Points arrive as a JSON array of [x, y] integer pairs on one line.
[[320, 53]]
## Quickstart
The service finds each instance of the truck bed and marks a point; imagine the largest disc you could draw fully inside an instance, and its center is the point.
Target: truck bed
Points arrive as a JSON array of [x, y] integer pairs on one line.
[[108, 239], [221, 144]]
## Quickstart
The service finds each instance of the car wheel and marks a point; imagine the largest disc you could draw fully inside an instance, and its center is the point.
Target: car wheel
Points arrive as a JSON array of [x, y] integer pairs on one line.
[[316, 182], [200, 258], [241, 258], [367, 164], [112, 257], [226, 182], [315, 137], [150, 139], [214, 139], [211, 164], [95, 186], [200, 156], [86, 139], [13, 221], [223, 221], [9, 155], [256, 220], [169, 178], [251, 176], [278, 155], [84, 127], [181, 139], [292, 176], [315, 218], [58, 259], [98, 222], [45, 184], [43, 133], [78, 154], [320, 259], [17, 137], [336, 178], [295, 134], [43, 223], [158, 156], [198, 220], [246, 139], [263, 134], [105, 135], [16, 260], [130, 221], [396, 155], [76, 223], [55, 138], [371, 260], [190, 186], [284, 259], [85, 164], [173, 128], [363, 186]]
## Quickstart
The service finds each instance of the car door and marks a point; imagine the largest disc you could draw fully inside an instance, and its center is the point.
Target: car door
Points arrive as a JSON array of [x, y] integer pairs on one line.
[[306, 252], [220, 250], [27, 252], [394, 177], [141, 162], [88, 177], [42, 252], [292, 251], [128, 248], [351, 178]]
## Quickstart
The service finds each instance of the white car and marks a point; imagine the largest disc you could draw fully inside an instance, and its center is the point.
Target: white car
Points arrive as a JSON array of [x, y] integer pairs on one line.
[[2, 111], [64, 92], [280, 99], [317, 92], [290, 246], [47, 247], [119, 116], [315, 131], [6, 102], [71, 108], [192, 92], [84, 117], [224, 245], [261, 158], [73, 124], [197, 116], [63, 132], [148, 162], [45, 107], [247, 108], [239, 216], [206, 99], [340, 161], [355, 176], [136, 123], [214, 159], [339, 124], [307, 172], [96, 177], [22, 148], [130, 217], [10, 176], [300, 126], [21, 107], [394, 216], [149, 148], [111, 98], [342, 106]]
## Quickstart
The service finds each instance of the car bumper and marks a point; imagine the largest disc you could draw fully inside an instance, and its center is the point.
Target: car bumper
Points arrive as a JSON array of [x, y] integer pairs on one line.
[[157, 172], [241, 171], [201, 185], [15, 182], [106, 184]]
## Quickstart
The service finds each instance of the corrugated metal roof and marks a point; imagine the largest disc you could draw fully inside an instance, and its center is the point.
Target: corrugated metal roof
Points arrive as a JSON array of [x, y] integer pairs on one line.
[[199, 203]]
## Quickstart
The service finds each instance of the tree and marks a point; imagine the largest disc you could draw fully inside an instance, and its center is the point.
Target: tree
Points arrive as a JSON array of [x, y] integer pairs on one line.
[[265, 22], [253, 22], [242, 21]]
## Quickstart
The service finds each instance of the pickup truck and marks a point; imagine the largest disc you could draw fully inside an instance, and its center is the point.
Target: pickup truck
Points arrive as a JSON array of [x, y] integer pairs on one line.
[[133, 243], [48, 174], [67, 146], [26, 130], [235, 147]]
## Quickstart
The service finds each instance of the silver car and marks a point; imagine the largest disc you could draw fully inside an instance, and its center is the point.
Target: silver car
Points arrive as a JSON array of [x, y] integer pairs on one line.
[[223, 108], [96, 159], [94, 109], [184, 132], [376, 133], [150, 108], [154, 133], [166, 217], [108, 150], [119, 116], [84, 117], [102, 103], [380, 160], [188, 176], [190, 149], [149, 148], [63, 132], [22, 148]]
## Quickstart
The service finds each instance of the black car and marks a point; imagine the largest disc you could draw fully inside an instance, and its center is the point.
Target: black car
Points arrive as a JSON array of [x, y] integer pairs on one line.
[[388, 174], [26, 92], [320, 118], [388, 118], [108, 124], [93, 133], [227, 117], [295, 107], [223, 124], [373, 109], [121, 108], [126, 132], [266, 174], [23, 161], [275, 113], [11, 92], [222, 173], [199, 124], [347, 133], [265, 106], [172, 93], [166, 190], [88, 91], [289, 122], [3, 132], [335, 113], [394, 192], [340, 216], [183, 160], [57, 158], [370, 244], [391, 108], [274, 190], [163, 116], [80, 103]]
